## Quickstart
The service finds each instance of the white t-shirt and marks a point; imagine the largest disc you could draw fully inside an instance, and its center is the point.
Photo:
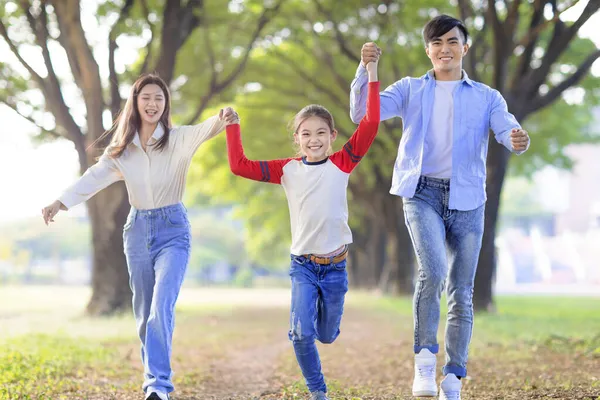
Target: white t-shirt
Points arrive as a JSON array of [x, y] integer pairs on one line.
[[437, 150], [316, 191]]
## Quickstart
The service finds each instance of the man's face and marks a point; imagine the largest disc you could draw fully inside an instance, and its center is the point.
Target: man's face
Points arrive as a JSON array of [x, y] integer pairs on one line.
[[446, 52]]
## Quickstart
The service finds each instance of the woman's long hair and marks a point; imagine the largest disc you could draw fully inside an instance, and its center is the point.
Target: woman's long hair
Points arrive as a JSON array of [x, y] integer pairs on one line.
[[129, 120]]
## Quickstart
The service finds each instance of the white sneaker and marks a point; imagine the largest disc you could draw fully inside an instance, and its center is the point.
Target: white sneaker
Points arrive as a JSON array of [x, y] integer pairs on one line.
[[153, 393], [424, 384], [450, 388]]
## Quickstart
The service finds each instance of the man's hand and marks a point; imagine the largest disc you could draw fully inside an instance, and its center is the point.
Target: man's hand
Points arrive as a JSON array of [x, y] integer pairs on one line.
[[370, 52], [519, 139]]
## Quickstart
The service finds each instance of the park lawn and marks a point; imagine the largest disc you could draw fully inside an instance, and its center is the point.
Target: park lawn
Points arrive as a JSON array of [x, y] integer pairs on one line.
[[532, 348]]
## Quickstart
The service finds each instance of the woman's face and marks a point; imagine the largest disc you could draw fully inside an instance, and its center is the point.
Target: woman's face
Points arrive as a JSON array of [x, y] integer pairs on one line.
[[151, 103]]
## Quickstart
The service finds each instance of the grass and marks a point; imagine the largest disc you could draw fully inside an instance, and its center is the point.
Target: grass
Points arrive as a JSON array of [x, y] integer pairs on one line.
[[546, 348], [41, 366]]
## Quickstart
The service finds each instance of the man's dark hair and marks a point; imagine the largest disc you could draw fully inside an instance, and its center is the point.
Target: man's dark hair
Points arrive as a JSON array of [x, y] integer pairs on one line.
[[441, 25]]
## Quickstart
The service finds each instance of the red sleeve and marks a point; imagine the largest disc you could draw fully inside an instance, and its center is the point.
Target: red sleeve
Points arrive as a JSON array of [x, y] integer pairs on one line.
[[264, 171], [358, 144]]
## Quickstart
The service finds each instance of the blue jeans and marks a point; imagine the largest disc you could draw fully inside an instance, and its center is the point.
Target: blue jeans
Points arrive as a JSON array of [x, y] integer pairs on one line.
[[316, 313], [443, 238], [157, 247]]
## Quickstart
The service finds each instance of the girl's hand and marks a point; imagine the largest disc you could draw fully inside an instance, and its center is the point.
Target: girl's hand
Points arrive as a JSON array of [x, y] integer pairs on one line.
[[229, 115]]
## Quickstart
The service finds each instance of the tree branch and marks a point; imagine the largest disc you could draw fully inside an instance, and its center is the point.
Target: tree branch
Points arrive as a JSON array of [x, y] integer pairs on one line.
[[535, 26], [178, 24], [31, 120], [263, 20], [501, 46], [15, 51], [542, 101], [512, 19], [533, 34], [146, 9], [115, 96], [217, 87], [83, 64], [308, 79], [561, 38], [341, 40], [474, 54], [465, 8]]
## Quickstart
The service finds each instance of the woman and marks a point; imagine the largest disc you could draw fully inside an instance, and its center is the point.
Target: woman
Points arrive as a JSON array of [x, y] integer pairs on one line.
[[153, 159]]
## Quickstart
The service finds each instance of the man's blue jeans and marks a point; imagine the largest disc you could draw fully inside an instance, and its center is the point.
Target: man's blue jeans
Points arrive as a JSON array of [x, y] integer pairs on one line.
[[447, 244]]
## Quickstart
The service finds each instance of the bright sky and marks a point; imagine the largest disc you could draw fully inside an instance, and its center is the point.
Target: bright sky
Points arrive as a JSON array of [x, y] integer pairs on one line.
[[34, 175]]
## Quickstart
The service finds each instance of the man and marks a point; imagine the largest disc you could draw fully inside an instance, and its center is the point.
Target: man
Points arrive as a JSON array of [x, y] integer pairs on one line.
[[440, 175]]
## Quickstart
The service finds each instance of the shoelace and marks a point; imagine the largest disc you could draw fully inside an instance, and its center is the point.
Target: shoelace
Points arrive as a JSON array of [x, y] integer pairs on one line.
[[453, 395], [426, 371]]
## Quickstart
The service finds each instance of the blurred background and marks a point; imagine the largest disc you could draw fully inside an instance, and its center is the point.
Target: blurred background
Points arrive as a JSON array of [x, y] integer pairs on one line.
[[59, 90], [67, 66]]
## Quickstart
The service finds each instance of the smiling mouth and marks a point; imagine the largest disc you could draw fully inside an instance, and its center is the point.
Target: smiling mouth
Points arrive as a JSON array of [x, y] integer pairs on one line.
[[151, 113], [315, 147]]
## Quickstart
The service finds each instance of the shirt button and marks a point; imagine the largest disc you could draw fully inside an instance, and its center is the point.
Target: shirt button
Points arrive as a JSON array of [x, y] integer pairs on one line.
[[149, 212]]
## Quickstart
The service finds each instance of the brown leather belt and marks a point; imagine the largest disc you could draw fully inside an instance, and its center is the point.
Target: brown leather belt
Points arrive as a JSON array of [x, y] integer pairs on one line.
[[328, 260]]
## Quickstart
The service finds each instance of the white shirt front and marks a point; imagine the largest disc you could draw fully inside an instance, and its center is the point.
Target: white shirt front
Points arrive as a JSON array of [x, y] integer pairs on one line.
[[437, 149], [154, 178]]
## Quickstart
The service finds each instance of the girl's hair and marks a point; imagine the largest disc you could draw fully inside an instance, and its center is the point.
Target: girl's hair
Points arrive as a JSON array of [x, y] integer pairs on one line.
[[129, 121], [312, 110]]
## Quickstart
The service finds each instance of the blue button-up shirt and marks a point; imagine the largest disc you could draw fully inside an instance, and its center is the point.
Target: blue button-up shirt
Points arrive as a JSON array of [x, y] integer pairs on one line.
[[477, 109]]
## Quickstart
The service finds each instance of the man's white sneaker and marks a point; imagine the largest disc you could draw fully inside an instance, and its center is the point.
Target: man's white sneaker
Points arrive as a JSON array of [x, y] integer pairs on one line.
[[156, 394], [450, 388], [424, 384]]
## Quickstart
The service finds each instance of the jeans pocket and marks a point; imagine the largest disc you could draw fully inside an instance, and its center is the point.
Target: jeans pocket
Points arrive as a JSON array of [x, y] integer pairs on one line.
[[177, 219], [128, 223], [341, 266]]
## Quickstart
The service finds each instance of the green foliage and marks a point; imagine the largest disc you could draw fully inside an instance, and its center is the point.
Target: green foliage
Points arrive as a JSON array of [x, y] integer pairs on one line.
[[306, 61], [301, 58]]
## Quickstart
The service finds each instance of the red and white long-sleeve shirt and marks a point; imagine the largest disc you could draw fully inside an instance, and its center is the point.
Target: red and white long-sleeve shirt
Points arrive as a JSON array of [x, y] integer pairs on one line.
[[316, 191]]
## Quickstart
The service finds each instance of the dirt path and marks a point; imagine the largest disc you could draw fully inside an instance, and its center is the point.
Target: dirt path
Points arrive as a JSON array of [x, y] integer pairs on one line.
[[372, 359], [242, 352]]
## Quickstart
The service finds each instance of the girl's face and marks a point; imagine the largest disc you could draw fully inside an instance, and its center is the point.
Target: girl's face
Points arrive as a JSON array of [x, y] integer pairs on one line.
[[151, 104], [314, 137]]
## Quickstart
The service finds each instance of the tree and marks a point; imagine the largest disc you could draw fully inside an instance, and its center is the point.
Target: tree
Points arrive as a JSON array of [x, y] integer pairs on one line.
[[178, 47], [312, 59], [535, 57]]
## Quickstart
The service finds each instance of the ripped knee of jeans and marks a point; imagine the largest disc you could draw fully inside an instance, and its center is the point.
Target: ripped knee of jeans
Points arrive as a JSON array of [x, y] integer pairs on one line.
[[295, 333]]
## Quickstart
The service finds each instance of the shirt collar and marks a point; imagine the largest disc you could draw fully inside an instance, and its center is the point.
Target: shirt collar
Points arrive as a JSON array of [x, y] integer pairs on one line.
[[158, 133], [465, 77]]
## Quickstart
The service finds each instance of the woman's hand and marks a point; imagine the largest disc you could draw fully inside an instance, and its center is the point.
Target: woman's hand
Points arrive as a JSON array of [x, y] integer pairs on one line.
[[50, 211], [229, 115]]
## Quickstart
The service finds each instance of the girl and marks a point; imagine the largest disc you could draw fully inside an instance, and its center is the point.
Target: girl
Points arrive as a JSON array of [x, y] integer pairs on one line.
[[315, 185], [153, 159]]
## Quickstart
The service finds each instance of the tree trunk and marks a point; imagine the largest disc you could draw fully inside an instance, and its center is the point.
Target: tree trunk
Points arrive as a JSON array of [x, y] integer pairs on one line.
[[110, 279], [367, 253], [497, 163], [398, 274]]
